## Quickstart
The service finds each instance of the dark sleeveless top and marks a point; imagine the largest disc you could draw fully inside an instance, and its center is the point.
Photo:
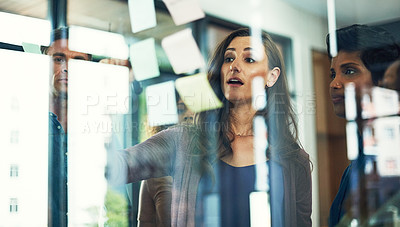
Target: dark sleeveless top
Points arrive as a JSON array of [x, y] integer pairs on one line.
[[229, 203]]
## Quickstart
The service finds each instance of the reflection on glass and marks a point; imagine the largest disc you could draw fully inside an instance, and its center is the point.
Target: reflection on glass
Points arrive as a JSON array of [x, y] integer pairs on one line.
[[97, 92], [23, 138], [298, 26], [364, 54]]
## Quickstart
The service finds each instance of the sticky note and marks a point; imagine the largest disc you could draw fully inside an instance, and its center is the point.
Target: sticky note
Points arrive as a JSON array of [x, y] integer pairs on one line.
[[108, 91], [142, 14], [161, 104], [31, 30], [183, 52], [97, 42], [387, 136], [24, 88], [386, 101], [259, 97], [184, 11], [144, 59], [197, 94], [260, 210], [31, 48]]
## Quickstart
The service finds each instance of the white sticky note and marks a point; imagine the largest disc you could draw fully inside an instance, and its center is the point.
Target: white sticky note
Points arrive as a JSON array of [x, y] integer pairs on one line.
[[352, 140], [386, 101], [30, 30], [96, 93], [259, 96], [197, 94], [260, 209], [31, 48], [161, 104], [350, 101], [24, 88], [183, 52], [143, 14], [387, 137], [184, 11], [144, 59], [97, 88], [260, 146], [97, 42]]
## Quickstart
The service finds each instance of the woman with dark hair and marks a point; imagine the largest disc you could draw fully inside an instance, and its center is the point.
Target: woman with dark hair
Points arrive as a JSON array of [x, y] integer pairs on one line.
[[363, 55], [279, 105], [212, 163]]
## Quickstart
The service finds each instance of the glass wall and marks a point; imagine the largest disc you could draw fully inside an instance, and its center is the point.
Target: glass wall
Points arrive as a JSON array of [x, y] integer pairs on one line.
[[142, 113]]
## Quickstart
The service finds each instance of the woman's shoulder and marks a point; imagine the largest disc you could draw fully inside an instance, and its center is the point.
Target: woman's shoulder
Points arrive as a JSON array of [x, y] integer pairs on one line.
[[298, 159], [304, 165], [303, 156]]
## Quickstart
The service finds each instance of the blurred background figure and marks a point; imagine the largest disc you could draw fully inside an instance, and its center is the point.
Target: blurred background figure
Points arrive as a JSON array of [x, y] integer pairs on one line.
[[391, 78], [185, 115], [155, 194]]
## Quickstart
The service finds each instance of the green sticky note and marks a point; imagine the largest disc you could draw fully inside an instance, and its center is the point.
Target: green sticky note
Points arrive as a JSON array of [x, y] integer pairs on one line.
[[31, 48], [144, 59], [197, 94]]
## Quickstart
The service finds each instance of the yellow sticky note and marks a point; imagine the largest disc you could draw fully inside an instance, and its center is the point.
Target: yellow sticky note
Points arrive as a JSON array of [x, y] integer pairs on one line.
[[197, 94]]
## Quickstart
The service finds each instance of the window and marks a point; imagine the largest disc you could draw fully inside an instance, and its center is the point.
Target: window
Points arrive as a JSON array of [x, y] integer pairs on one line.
[[13, 205], [14, 136], [14, 104], [14, 171]]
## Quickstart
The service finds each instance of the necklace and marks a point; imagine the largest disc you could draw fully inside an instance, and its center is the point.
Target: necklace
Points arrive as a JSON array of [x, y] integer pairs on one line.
[[241, 135]]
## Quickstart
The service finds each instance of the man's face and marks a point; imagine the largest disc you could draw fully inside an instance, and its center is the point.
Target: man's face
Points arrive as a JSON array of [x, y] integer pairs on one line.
[[184, 114], [347, 67], [60, 55]]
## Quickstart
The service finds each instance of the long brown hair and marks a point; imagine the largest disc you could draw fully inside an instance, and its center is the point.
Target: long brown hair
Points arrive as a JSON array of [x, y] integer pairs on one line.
[[215, 125]]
